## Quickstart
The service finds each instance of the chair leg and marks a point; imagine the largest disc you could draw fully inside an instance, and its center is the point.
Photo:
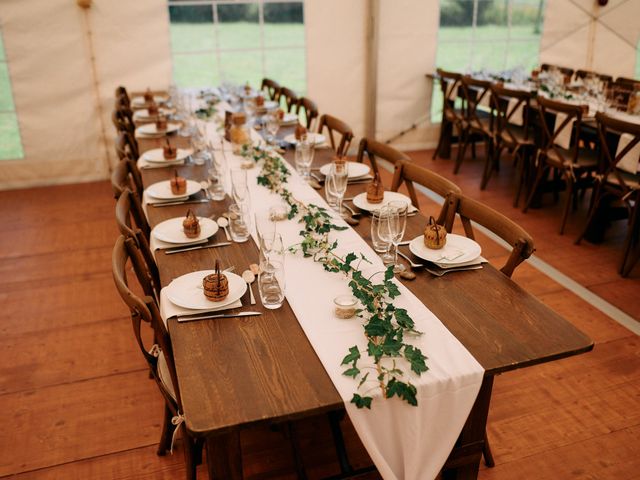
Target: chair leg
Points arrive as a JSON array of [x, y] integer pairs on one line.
[[631, 250], [461, 151], [292, 434], [491, 160], [534, 188], [521, 160], [167, 432], [567, 203], [486, 452], [443, 127], [338, 441], [190, 460], [593, 210]]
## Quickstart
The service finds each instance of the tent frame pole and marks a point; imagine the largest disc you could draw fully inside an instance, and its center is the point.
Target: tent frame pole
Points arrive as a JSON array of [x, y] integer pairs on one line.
[[371, 67]]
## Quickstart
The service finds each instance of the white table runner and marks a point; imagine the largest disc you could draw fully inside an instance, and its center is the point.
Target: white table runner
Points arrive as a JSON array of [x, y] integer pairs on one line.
[[405, 442]]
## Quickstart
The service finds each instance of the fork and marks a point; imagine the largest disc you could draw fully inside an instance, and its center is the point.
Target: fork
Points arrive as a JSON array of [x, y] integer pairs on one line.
[[440, 273], [351, 210], [411, 262]]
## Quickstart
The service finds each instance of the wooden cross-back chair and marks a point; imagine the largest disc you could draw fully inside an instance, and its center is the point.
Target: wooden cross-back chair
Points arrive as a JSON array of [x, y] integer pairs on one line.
[[333, 125], [159, 357], [122, 93], [126, 145], [290, 99], [566, 71], [574, 164], [512, 109], [122, 121], [628, 81], [476, 124], [131, 224], [271, 87], [581, 74], [619, 93], [373, 149], [452, 117], [310, 110], [410, 173], [616, 184], [471, 210], [126, 175]]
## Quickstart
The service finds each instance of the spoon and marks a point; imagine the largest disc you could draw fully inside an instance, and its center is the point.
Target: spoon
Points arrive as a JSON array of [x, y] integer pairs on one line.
[[249, 277], [224, 223]]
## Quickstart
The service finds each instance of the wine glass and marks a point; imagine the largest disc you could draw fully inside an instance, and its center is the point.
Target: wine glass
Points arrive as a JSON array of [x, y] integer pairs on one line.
[[393, 220], [273, 125], [239, 188], [402, 209], [305, 152], [337, 183]]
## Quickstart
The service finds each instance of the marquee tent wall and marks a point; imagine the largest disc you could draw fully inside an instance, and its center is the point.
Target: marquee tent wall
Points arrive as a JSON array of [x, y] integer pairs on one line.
[[366, 63]]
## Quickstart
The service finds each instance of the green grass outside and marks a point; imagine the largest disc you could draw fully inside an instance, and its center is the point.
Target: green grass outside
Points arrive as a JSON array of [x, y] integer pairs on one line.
[[203, 69]]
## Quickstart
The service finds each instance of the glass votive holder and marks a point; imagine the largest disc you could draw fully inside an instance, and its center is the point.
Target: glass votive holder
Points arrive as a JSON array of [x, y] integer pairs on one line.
[[345, 306]]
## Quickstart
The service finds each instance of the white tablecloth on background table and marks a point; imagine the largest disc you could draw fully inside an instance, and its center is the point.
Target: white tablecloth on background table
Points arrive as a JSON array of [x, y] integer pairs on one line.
[[405, 442]]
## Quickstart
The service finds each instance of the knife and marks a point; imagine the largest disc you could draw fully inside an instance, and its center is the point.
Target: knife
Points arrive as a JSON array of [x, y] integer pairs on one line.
[[169, 251], [189, 318], [183, 202]]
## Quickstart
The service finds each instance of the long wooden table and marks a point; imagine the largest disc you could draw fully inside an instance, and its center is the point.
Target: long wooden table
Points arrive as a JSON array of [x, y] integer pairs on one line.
[[234, 373]]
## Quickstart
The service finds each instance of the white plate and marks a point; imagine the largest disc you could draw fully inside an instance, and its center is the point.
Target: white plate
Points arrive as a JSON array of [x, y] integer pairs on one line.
[[455, 244], [361, 202], [157, 156], [186, 291], [289, 119], [171, 231], [356, 169], [150, 129], [317, 138], [156, 98], [162, 190], [271, 104]]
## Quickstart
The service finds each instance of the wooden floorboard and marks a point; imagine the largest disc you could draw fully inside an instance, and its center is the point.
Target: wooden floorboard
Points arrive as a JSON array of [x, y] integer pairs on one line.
[[78, 403]]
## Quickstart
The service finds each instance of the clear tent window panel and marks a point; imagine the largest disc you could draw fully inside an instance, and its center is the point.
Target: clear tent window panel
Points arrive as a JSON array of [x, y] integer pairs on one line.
[[239, 41], [10, 141], [490, 35]]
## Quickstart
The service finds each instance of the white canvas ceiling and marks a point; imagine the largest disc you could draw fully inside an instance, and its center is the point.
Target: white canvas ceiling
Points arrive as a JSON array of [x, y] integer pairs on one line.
[[54, 47]]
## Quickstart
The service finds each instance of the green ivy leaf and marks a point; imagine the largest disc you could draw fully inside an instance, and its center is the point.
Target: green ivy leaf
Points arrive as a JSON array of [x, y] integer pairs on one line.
[[363, 379], [415, 357], [352, 357], [405, 391], [361, 402], [352, 372], [403, 318], [388, 274]]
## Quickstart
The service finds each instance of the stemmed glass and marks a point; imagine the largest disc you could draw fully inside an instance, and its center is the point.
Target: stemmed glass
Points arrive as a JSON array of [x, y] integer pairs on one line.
[[393, 222], [305, 152], [337, 183], [239, 189], [273, 125]]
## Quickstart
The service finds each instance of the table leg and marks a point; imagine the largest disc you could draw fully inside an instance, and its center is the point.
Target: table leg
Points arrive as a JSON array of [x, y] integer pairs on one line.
[[464, 461], [224, 456]]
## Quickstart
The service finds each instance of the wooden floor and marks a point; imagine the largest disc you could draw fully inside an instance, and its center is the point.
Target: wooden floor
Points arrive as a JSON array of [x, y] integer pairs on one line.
[[77, 402]]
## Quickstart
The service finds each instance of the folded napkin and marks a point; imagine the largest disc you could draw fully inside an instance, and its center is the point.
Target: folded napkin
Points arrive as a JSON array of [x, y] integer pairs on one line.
[[155, 244], [143, 164], [476, 261], [169, 309]]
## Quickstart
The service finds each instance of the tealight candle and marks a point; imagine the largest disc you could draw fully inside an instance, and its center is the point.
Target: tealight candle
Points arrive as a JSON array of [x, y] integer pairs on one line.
[[345, 306]]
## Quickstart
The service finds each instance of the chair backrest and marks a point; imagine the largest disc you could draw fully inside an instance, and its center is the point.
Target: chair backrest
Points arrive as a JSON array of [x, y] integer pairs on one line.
[[126, 175], [562, 115], [450, 85], [618, 94], [310, 110], [373, 149], [410, 173], [144, 309], [290, 98], [271, 87], [610, 128], [476, 93], [508, 103], [566, 71], [131, 224], [603, 77], [126, 146], [122, 122], [122, 93], [628, 81], [472, 210], [333, 124]]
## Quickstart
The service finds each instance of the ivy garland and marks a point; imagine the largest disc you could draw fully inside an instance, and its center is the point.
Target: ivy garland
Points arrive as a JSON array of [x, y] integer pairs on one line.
[[385, 325]]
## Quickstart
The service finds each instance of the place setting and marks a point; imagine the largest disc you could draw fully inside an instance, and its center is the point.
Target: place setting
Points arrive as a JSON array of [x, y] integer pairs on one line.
[[205, 295], [182, 234], [166, 156], [175, 191]]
